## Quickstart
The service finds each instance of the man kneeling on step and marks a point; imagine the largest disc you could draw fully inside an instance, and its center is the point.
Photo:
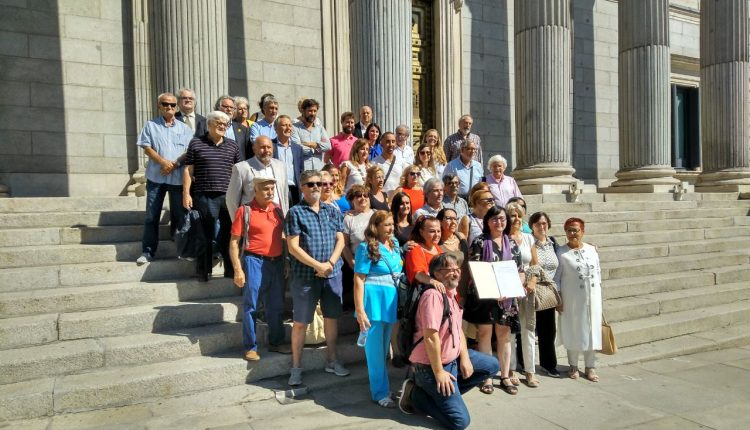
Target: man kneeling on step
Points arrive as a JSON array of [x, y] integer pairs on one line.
[[261, 271], [444, 368]]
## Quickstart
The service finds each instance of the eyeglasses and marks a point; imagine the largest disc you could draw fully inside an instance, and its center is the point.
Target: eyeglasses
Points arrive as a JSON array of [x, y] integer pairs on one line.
[[450, 218], [457, 270], [313, 184], [425, 152], [228, 107], [487, 200], [327, 184], [454, 183], [572, 230], [498, 220], [221, 124], [165, 104], [415, 173], [244, 109], [358, 195]]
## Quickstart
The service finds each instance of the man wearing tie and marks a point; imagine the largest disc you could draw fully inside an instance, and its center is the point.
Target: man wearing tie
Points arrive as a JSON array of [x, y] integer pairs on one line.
[[186, 104], [237, 131]]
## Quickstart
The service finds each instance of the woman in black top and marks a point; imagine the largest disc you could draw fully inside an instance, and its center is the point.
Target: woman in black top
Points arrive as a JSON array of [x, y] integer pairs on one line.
[[402, 219]]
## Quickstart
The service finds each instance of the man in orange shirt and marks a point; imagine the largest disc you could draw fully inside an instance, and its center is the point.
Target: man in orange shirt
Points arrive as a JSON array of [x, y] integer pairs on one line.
[[261, 271]]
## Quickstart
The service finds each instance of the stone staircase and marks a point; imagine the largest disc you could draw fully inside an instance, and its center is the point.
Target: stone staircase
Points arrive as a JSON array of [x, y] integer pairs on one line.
[[83, 327]]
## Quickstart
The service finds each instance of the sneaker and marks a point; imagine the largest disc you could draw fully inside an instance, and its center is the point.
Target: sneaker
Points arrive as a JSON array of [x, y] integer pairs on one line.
[[404, 402], [252, 356], [295, 376], [552, 373], [146, 257], [336, 368]]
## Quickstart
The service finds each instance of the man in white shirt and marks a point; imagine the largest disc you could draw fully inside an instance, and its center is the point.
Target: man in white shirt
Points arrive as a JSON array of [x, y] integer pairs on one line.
[[365, 119], [187, 114], [391, 165], [404, 150]]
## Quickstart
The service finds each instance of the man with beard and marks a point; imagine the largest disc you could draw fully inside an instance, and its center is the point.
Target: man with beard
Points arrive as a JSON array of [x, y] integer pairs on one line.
[[341, 144], [311, 135], [241, 190], [452, 144], [315, 238]]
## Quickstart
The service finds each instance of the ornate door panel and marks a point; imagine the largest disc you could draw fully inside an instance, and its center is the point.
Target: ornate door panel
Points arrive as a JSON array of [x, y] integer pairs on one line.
[[422, 62]]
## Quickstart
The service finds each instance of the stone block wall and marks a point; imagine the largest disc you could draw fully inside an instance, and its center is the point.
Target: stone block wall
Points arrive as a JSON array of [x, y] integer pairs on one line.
[[66, 90]]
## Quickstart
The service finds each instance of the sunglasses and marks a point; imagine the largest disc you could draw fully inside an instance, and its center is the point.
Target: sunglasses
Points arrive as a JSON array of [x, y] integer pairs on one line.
[[313, 184], [327, 184], [358, 195], [425, 152], [487, 200], [165, 104], [415, 173]]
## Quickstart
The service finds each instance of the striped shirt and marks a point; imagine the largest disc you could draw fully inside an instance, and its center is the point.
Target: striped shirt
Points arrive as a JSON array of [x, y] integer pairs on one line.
[[212, 164]]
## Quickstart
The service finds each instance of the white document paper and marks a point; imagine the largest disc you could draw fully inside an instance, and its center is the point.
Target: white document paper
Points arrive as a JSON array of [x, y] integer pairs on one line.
[[497, 279]]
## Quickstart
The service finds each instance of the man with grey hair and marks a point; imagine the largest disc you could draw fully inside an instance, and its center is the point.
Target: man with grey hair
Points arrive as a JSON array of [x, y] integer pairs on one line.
[[315, 239], [238, 132], [164, 141], [468, 170], [452, 144], [264, 127], [451, 199], [404, 151], [365, 118], [290, 153], [446, 367], [311, 135], [433, 198], [186, 103]]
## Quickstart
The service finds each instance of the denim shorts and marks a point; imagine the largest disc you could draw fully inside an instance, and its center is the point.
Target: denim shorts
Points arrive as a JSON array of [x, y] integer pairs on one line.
[[306, 293]]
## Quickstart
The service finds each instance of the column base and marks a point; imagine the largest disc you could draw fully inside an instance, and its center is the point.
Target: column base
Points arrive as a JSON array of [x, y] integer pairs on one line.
[[137, 185], [725, 178], [4, 191], [545, 179], [638, 188], [657, 179]]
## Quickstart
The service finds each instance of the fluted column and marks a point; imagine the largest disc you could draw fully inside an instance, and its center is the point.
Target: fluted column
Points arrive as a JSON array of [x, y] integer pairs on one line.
[[644, 64], [725, 113], [337, 97], [381, 60], [448, 65], [189, 48], [543, 95]]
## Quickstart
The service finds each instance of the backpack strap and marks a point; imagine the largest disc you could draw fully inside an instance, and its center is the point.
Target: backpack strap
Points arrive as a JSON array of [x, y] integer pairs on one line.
[[446, 317]]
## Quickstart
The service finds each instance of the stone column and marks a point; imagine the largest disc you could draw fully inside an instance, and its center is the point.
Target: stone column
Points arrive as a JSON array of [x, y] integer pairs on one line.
[[644, 64], [337, 97], [725, 110], [543, 96], [189, 48], [448, 65], [381, 60]]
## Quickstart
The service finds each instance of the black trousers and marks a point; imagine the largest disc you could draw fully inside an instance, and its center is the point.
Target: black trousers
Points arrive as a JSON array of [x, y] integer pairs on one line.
[[546, 330], [212, 206], [293, 195]]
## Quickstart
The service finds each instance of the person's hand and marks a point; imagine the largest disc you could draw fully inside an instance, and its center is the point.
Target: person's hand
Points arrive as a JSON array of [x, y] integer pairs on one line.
[[530, 286], [467, 369], [167, 169], [444, 381], [362, 320], [522, 276], [438, 285], [559, 308], [239, 278], [409, 245], [187, 201], [323, 270], [167, 165]]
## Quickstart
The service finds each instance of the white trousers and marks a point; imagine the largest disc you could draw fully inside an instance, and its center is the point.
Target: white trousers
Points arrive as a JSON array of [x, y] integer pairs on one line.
[[589, 358]]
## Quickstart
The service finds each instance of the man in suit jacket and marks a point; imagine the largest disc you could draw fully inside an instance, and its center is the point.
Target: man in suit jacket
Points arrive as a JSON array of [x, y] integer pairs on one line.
[[241, 190], [365, 118], [187, 114], [238, 132], [290, 153]]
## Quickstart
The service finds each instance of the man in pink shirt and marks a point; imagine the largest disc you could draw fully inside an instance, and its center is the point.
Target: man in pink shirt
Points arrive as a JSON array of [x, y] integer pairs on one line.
[[444, 368], [341, 144]]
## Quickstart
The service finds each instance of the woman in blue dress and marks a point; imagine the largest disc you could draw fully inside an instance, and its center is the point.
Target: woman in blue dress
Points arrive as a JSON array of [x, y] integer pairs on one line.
[[377, 266]]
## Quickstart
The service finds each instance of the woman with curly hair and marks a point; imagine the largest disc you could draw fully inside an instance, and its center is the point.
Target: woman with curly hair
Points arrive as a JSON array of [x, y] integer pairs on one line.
[[377, 268], [432, 138], [339, 196]]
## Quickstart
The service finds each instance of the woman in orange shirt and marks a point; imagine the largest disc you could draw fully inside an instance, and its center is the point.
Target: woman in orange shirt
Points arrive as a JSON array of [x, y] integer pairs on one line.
[[426, 234], [412, 187]]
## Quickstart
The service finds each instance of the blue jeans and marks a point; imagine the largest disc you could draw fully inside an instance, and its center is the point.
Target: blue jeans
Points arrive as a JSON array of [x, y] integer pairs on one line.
[[213, 207], [154, 203], [265, 280], [451, 410]]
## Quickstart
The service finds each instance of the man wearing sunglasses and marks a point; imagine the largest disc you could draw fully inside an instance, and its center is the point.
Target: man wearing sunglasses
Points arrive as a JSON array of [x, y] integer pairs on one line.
[[315, 238], [164, 140]]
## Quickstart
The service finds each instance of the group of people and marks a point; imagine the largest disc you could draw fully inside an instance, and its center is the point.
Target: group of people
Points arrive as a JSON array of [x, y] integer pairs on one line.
[[339, 219]]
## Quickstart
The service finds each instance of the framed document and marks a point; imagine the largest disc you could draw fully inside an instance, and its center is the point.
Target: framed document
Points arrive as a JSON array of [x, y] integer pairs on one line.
[[497, 279]]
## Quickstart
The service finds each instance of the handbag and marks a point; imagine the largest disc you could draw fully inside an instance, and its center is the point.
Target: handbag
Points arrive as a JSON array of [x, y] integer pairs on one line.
[[609, 346], [545, 294], [315, 333], [402, 287]]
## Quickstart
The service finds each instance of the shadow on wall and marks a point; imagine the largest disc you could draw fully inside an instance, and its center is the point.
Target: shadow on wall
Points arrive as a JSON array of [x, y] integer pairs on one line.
[[491, 75], [237, 59], [584, 143], [131, 121], [33, 147]]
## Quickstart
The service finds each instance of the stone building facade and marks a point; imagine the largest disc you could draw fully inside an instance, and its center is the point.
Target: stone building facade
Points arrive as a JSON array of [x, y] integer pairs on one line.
[[594, 90]]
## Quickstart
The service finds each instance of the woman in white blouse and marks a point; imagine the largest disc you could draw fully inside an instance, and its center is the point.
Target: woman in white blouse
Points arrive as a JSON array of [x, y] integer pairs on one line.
[[355, 168]]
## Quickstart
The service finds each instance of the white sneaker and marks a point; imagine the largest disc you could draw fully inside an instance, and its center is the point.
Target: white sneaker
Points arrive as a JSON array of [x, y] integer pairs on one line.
[[146, 257], [295, 376]]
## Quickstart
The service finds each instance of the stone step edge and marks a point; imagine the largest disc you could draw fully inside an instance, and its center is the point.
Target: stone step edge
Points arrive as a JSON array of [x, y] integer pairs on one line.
[[744, 252], [693, 292]]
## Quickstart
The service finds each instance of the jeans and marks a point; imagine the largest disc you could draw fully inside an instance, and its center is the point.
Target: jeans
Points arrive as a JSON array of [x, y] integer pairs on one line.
[[212, 206], [451, 410], [155, 193], [265, 280]]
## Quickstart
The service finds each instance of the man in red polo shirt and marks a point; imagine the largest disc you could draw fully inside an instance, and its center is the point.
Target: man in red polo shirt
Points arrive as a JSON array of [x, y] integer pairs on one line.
[[341, 144], [261, 271]]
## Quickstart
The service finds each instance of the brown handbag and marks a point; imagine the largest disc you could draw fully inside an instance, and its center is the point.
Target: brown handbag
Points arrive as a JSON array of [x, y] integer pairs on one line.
[[609, 346], [545, 293]]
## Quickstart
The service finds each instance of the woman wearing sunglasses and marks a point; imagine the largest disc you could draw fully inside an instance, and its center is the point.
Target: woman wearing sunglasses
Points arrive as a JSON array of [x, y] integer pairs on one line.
[[355, 224], [471, 225], [425, 162], [412, 187]]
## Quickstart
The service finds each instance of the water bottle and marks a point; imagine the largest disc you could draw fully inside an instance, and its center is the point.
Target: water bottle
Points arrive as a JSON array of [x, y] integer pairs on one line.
[[362, 338]]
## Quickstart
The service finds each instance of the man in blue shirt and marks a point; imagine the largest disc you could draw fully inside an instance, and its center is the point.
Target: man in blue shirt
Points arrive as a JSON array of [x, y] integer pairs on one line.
[[468, 170], [315, 238], [164, 140], [265, 127]]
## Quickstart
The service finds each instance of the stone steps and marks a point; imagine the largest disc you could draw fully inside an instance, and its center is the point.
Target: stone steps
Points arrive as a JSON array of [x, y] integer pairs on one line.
[[630, 252], [644, 306], [73, 219], [125, 385], [29, 256], [81, 298], [73, 204], [670, 325], [75, 235], [640, 285], [672, 264], [560, 217]]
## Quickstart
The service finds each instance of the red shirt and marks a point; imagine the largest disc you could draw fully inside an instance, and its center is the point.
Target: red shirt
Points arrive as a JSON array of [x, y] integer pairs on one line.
[[264, 231], [341, 146], [416, 197], [418, 260]]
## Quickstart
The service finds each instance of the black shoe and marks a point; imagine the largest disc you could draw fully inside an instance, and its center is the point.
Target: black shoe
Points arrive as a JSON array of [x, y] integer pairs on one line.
[[552, 373], [202, 277], [398, 362]]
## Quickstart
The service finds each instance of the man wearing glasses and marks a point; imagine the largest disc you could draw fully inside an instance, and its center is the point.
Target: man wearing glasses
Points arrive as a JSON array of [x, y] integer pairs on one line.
[[315, 238], [187, 114], [466, 168], [164, 140], [238, 132], [451, 198]]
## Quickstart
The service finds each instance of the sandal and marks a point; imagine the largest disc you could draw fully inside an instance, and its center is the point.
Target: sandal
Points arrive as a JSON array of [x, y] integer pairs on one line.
[[573, 372], [387, 402], [514, 379], [510, 389], [591, 375], [487, 388], [531, 380]]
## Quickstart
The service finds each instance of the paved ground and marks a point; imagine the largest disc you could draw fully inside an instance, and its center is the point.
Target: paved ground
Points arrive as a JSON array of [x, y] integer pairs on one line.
[[705, 390]]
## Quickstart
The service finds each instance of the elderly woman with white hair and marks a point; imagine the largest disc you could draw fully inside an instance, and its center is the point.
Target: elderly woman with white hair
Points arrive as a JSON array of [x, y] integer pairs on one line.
[[243, 111], [502, 186]]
